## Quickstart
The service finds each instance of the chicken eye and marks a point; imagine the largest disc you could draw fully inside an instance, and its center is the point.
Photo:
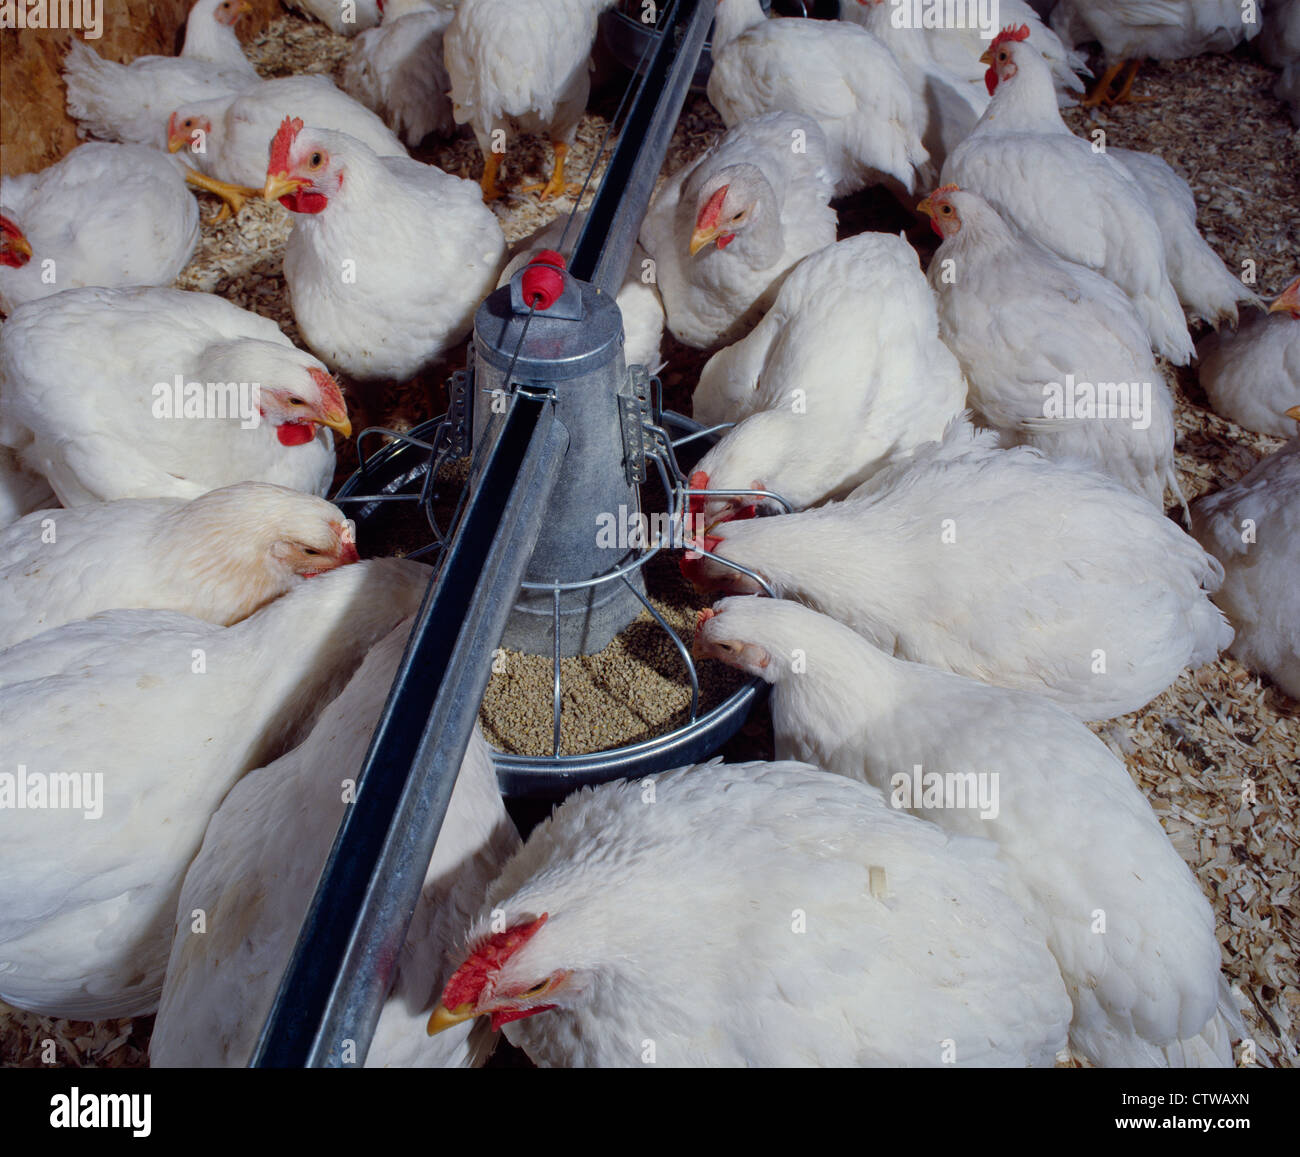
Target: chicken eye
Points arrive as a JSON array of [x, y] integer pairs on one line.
[[310, 550], [946, 210], [316, 160], [537, 989], [296, 402], [738, 216]]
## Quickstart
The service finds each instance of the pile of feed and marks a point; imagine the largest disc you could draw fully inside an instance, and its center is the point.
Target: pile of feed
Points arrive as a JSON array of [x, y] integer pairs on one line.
[[1216, 754]]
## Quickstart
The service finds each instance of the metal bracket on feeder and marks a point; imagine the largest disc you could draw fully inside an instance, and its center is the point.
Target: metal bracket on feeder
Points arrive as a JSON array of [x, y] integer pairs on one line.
[[634, 408], [459, 422]]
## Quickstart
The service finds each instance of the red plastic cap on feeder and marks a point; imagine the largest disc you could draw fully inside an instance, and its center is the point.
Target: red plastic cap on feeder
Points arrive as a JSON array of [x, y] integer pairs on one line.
[[543, 280]]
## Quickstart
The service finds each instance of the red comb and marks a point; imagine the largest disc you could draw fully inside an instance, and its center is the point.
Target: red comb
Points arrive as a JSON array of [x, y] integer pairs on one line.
[[288, 132], [330, 393], [695, 503], [703, 617], [712, 210], [1010, 32], [8, 227], [468, 980]]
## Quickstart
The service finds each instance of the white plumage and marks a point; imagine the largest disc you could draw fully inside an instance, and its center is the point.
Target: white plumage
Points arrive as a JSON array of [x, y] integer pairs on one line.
[[397, 70], [131, 102], [999, 565], [1159, 29], [104, 215], [218, 557], [229, 138], [21, 490], [943, 70], [724, 230], [838, 75], [757, 914], [1031, 331], [1206, 287], [346, 17], [1279, 41], [256, 873], [1078, 202], [88, 397], [424, 251], [87, 905], [1252, 377], [1253, 528], [1075, 831], [844, 371], [638, 299], [516, 67]]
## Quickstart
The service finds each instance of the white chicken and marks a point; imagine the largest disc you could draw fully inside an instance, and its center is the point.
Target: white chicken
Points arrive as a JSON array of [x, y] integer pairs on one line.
[[516, 67], [999, 565], [397, 69], [419, 248], [724, 231], [346, 17], [155, 393], [89, 881], [1252, 377], [1204, 284], [131, 102], [1253, 529], [943, 70], [218, 557], [638, 299], [657, 929], [834, 73], [229, 138], [256, 872], [1075, 831], [1075, 200], [1052, 351], [104, 215], [1131, 31], [845, 371]]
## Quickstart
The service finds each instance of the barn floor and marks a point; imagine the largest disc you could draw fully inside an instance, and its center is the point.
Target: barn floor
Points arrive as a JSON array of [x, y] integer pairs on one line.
[[1216, 754]]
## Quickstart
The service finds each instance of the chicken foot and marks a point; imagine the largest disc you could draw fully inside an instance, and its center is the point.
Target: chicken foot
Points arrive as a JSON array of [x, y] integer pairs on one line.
[[556, 186], [232, 196], [1125, 71]]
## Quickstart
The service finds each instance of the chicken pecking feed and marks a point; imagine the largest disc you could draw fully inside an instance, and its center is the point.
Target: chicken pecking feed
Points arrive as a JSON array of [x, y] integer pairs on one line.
[[1075, 831], [999, 565], [845, 371]]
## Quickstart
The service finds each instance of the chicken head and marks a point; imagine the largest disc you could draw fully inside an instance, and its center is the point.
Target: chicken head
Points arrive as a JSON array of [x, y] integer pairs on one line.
[[302, 174], [15, 250]]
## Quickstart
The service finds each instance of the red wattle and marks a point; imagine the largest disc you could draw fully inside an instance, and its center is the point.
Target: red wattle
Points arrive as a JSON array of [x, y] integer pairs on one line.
[[295, 433], [991, 80], [505, 1016], [304, 202], [934, 224], [725, 240]]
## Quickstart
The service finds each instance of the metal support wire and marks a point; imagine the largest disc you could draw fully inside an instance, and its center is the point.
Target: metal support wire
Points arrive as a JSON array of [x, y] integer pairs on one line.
[[342, 965]]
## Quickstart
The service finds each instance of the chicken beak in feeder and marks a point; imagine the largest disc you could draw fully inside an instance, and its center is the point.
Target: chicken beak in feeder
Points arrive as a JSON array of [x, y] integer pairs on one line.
[[280, 185], [443, 1017]]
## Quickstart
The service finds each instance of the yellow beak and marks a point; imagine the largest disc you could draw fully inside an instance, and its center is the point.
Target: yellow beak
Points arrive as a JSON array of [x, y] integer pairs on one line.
[[987, 58], [176, 143], [340, 423], [1285, 303], [20, 245], [926, 207], [280, 185], [443, 1017], [702, 238], [1294, 413], [245, 9]]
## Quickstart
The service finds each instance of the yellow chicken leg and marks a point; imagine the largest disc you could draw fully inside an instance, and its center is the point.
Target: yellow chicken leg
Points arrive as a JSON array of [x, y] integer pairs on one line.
[[556, 186], [232, 196], [1125, 94], [491, 166], [1100, 93]]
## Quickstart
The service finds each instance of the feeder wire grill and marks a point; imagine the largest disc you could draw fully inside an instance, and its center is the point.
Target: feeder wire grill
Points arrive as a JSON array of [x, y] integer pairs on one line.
[[340, 970]]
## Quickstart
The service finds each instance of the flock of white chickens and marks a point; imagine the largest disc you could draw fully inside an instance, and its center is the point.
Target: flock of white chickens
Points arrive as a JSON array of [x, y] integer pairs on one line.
[[944, 865]]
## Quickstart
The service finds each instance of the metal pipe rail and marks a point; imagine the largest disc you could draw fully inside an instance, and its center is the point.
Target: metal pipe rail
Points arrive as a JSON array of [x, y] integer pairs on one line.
[[341, 968]]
